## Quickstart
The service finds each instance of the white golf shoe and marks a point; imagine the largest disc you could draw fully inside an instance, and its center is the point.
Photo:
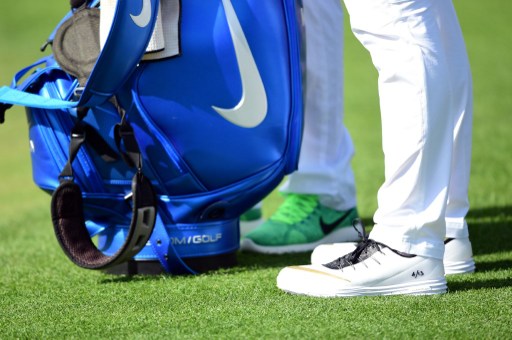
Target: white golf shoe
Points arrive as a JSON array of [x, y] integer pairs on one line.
[[371, 269], [458, 256]]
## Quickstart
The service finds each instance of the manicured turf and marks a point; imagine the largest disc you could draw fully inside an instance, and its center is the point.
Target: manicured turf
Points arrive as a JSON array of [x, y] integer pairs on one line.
[[42, 295]]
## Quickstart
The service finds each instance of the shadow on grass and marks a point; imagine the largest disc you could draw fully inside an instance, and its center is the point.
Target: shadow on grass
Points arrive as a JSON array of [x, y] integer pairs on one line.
[[490, 230], [261, 261], [470, 285], [491, 266], [110, 279]]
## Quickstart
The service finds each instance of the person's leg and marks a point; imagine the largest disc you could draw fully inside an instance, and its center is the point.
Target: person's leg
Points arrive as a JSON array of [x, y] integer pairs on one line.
[[327, 149], [415, 88], [410, 43], [319, 198], [458, 256]]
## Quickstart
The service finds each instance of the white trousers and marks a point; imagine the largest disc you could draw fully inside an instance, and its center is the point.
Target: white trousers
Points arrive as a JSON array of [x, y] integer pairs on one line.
[[425, 91], [327, 149]]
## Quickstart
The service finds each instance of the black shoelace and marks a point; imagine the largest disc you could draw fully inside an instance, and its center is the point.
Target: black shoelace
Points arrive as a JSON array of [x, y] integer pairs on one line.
[[365, 249]]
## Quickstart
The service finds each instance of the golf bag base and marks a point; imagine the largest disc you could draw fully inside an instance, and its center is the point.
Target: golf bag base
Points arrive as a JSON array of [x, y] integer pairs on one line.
[[200, 265]]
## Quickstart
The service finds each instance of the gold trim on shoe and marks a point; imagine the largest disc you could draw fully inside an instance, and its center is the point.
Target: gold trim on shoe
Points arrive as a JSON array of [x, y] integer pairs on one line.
[[311, 270]]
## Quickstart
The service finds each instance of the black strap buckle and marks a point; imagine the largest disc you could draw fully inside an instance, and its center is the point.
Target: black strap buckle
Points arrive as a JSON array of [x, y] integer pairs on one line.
[[127, 144], [78, 136]]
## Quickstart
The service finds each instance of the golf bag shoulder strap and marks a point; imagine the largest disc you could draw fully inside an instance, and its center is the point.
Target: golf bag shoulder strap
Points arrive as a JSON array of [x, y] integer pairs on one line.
[[126, 41], [68, 214]]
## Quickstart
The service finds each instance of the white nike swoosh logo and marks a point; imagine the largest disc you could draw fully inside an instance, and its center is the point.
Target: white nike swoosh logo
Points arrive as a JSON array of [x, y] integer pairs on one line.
[[143, 19], [253, 106]]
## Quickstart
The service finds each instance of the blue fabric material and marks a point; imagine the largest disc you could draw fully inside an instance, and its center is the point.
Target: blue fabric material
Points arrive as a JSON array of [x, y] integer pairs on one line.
[[9, 95]]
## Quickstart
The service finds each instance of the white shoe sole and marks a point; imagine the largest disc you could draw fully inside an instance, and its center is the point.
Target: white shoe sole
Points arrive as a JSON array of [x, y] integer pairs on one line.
[[344, 234], [430, 287], [459, 267]]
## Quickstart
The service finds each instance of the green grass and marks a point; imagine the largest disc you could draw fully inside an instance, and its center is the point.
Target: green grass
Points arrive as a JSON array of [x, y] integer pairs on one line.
[[42, 295]]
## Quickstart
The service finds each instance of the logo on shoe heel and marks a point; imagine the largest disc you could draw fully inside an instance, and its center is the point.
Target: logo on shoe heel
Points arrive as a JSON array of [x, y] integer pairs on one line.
[[417, 274]]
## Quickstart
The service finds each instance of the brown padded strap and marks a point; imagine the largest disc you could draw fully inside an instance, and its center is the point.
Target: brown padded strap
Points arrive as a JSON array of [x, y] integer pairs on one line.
[[76, 45], [73, 237]]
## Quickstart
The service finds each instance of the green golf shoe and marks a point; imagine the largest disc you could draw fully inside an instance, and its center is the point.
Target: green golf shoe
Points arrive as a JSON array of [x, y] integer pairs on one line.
[[300, 224]]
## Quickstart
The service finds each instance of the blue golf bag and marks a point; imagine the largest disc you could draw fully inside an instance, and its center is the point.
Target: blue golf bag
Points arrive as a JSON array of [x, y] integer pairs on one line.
[[158, 157]]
